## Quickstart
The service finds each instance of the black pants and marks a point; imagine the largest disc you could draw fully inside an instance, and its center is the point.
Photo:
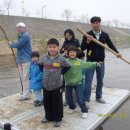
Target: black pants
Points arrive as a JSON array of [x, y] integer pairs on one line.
[[53, 105], [63, 85]]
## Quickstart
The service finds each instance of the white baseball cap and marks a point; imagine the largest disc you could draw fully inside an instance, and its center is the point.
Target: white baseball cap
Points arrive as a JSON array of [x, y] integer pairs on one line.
[[21, 24]]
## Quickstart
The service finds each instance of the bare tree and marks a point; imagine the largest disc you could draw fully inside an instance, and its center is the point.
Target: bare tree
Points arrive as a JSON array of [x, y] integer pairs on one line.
[[23, 11], [83, 19], [108, 23], [8, 5], [127, 25], [2, 12], [116, 22], [75, 18], [38, 13], [67, 14], [27, 14], [122, 24]]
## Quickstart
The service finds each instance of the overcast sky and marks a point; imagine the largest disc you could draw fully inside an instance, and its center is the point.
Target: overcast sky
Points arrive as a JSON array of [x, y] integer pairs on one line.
[[106, 9]]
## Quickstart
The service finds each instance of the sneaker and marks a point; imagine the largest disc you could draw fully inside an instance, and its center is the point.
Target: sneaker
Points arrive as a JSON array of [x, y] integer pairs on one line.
[[24, 99], [101, 101], [35, 101], [84, 115], [44, 120], [70, 111], [87, 105], [38, 103], [41, 102], [57, 124]]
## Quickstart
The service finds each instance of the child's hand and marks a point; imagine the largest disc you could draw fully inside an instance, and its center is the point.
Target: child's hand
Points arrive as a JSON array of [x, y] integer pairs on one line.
[[65, 53], [99, 64], [63, 49]]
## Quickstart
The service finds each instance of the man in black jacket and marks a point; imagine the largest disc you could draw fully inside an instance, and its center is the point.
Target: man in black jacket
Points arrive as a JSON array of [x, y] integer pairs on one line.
[[96, 53]]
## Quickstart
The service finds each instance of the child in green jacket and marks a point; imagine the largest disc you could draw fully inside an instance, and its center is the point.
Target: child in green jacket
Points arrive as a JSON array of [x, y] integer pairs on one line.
[[73, 80]]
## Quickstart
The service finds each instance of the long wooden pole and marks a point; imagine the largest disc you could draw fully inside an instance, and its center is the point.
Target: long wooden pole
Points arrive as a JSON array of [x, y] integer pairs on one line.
[[13, 56], [103, 45]]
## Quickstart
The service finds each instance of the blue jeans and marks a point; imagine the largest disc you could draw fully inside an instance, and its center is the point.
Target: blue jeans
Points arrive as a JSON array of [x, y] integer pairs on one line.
[[88, 82], [79, 95], [38, 95]]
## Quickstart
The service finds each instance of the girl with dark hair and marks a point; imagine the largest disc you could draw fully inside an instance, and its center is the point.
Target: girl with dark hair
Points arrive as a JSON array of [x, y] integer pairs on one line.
[[69, 40]]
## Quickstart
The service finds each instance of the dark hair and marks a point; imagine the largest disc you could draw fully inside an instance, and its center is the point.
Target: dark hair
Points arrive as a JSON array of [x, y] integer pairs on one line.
[[72, 48], [71, 32], [35, 54], [80, 54], [67, 46], [53, 41], [95, 19]]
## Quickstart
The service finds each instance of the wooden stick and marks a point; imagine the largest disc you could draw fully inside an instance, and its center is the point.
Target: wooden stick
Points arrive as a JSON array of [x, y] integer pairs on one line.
[[101, 44], [13, 56]]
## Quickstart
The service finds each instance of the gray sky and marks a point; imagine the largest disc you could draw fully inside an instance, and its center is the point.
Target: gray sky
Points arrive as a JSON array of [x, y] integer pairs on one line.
[[106, 9]]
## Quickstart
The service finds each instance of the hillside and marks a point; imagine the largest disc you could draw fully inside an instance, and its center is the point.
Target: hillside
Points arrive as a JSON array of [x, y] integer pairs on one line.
[[44, 28]]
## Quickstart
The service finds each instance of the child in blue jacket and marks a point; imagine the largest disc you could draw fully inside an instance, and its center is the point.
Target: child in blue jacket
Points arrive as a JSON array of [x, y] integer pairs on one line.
[[35, 78]]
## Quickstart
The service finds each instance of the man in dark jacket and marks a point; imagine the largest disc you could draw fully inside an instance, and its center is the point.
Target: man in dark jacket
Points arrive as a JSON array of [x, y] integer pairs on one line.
[[96, 53]]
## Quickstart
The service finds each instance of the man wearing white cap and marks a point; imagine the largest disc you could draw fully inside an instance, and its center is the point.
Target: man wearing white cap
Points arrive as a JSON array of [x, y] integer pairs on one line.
[[24, 50]]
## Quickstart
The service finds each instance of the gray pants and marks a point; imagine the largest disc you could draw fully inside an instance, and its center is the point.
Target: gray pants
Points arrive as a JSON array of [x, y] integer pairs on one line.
[[24, 73]]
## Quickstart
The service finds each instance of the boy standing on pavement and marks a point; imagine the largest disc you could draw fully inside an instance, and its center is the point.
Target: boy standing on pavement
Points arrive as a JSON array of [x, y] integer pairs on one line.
[[53, 66]]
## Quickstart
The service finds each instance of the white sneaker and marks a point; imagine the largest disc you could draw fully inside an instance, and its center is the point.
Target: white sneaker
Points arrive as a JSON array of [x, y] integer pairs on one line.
[[84, 115], [70, 111], [87, 105]]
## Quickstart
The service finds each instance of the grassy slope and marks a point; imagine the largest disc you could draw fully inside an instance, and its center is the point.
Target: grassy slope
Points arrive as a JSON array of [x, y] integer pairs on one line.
[[42, 29]]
